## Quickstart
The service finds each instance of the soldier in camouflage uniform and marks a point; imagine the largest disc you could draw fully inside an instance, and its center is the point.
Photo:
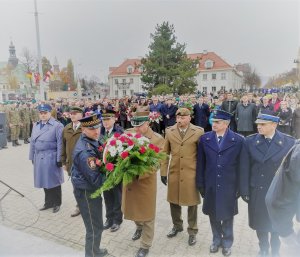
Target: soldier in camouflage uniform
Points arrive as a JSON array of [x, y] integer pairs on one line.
[[34, 115], [25, 120], [3, 140], [14, 121]]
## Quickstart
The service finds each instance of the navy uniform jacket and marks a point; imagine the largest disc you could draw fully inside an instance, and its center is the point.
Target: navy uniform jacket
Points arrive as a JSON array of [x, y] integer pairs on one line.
[[171, 111], [85, 174], [218, 172], [259, 164], [283, 197]]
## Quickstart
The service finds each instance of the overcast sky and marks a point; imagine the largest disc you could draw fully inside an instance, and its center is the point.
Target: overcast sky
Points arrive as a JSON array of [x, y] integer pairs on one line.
[[97, 34]]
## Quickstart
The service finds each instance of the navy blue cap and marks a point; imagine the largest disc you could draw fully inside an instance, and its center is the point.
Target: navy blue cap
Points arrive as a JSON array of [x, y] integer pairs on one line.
[[44, 108], [92, 121], [266, 118], [221, 115]]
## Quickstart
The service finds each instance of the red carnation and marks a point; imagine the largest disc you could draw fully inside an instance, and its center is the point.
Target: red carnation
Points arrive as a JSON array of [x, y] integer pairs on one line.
[[122, 139], [117, 135], [129, 134], [113, 142], [130, 142], [100, 148], [156, 149], [124, 154], [152, 146], [98, 162], [110, 167], [142, 149], [138, 136]]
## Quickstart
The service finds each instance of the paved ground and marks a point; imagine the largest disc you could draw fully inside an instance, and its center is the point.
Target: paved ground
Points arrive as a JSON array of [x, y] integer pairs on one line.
[[47, 234]]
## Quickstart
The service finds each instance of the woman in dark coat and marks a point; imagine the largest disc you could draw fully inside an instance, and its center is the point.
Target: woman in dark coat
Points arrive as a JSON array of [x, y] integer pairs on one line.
[[296, 122], [285, 114]]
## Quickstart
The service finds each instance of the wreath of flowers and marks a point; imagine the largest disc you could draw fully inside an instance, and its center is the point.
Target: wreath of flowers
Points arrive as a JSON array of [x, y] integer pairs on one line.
[[125, 158], [189, 106]]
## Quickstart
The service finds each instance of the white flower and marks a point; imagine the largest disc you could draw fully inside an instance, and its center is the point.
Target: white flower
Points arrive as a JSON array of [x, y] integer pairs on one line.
[[113, 151]]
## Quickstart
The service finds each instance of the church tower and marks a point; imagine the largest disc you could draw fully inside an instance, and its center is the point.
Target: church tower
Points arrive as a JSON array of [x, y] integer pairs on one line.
[[55, 66], [12, 60]]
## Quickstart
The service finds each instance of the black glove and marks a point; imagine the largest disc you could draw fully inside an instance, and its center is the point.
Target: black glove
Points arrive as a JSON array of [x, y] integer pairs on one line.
[[164, 180], [202, 191], [246, 198], [59, 164]]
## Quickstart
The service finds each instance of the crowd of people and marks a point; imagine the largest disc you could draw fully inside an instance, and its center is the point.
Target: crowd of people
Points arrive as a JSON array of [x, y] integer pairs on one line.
[[219, 148]]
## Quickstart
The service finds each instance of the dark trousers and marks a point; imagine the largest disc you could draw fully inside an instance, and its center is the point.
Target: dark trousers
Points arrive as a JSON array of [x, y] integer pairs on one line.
[[113, 201], [53, 196], [264, 243], [192, 218], [222, 232], [91, 213]]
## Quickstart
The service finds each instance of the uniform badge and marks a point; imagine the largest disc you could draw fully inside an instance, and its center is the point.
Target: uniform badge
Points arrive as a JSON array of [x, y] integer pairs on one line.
[[257, 142], [91, 161], [280, 142]]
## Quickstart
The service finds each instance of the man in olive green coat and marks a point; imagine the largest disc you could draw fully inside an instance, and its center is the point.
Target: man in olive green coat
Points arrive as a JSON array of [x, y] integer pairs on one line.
[[181, 143], [25, 120]]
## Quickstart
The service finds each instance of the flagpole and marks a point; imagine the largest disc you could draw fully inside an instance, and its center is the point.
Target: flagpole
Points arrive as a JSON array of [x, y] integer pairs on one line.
[[40, 70]]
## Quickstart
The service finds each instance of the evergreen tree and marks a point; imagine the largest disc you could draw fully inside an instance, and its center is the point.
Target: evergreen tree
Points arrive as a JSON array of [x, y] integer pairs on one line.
[[70, 73], [167, 62]]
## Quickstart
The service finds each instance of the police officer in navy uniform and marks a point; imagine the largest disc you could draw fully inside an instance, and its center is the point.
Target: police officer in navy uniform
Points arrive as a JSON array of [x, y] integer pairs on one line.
[[283, 202], [86, 178], [261, 156], [112, 197], [217, 178]]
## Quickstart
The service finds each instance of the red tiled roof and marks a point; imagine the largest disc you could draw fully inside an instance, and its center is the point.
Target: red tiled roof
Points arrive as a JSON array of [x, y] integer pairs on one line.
[[218, 63], [122, 69]]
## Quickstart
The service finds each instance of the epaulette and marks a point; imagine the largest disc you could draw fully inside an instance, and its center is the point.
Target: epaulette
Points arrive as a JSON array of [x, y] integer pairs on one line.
[[157, 134], [252, 135], [88, 145]]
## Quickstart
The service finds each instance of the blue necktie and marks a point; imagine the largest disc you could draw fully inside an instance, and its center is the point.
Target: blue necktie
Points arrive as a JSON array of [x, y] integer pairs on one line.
[[220, 139], [268, 140], [42, 125]]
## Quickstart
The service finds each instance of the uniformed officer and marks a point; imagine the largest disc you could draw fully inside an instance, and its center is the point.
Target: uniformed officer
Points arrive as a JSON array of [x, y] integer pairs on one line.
[[45, 154], [139, 197], [181, 143], [283, 202], [217, 178], [71, 133], [25, 120], [112, 197], [14, 121], [86, 178], [261, 156]]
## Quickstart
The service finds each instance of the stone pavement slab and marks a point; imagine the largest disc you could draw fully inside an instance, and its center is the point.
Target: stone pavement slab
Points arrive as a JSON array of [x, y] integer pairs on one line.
[[59, 228]]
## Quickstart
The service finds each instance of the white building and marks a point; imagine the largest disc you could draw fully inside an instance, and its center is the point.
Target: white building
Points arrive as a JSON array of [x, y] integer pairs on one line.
[[214, 74]]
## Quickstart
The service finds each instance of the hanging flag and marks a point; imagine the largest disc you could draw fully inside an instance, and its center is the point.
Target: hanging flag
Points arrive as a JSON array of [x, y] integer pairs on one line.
[[37, 77], [29, 75], [48, 76]]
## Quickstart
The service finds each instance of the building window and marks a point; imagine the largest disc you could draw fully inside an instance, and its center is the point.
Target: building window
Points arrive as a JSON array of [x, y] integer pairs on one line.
[[223, 76], [214, 76], [131, 81], [123, 81], [131, 92], [208, 64], [223, 88], [129, 69], [204, 89], [124, 92], [116, 81], [214, 89], [204, 77], [116, 92]]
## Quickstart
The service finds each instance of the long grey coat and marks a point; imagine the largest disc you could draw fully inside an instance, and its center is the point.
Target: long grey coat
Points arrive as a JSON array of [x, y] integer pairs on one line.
[[245, 117], [45, 151]]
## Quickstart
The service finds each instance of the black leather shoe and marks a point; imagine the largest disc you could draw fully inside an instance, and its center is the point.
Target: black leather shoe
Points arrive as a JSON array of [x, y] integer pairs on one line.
[[107, 224], [56, 209], [137, 234], [45, 207], [226, 251], [263, 253], [103, 252], [114, 227], [142, 252], [174, 232], [192, 239], [213, 248]]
